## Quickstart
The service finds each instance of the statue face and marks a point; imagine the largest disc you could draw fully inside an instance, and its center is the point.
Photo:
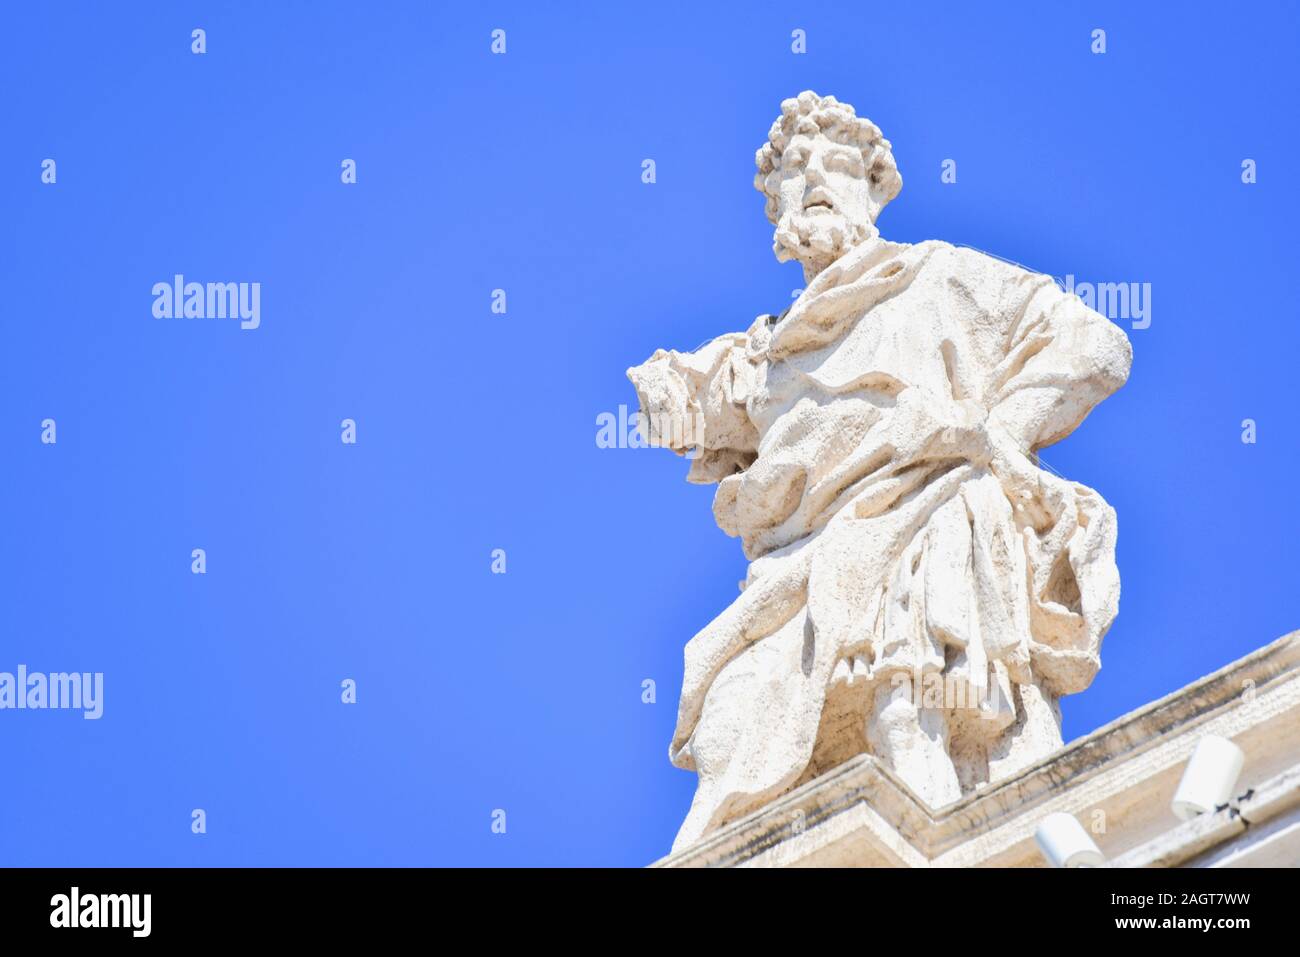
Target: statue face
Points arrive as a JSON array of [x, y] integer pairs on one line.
[[825, 206]]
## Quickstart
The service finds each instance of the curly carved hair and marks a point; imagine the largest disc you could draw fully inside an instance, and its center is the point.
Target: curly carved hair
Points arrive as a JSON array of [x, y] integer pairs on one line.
[[810, 115]]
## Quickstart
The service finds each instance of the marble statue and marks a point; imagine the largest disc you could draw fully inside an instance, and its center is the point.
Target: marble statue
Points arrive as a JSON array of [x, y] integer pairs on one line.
[[919, 587]]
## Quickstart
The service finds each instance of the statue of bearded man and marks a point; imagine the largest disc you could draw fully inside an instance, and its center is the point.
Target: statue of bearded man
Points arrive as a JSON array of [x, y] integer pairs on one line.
[[919, 588]]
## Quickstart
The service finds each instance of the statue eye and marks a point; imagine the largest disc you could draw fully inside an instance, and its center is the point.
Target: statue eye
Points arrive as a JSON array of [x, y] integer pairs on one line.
[[849, 164]]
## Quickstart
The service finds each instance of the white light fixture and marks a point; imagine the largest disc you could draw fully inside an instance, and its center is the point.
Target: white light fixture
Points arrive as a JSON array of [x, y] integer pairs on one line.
[[1210, 777], [1065, 843]]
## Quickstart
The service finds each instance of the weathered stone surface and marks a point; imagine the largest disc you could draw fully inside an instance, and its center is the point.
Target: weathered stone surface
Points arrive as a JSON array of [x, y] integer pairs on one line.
[[919, 589], [1119, 782]]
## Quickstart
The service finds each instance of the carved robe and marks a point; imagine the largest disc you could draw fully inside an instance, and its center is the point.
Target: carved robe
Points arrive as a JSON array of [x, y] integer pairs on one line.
[[874, 451]]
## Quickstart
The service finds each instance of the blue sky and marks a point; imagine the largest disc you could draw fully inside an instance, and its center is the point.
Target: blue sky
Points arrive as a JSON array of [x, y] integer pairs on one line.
[[476, 431]]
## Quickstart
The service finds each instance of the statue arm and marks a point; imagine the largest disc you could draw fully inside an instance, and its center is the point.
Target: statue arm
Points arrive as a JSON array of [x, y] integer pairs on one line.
[[1062, 360], [694, 403]]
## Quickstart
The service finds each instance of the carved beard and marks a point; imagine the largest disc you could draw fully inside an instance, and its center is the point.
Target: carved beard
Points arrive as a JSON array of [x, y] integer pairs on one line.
[[824, 237]]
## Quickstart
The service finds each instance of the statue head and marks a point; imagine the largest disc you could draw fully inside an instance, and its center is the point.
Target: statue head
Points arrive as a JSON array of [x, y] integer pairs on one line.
[[827, 173]]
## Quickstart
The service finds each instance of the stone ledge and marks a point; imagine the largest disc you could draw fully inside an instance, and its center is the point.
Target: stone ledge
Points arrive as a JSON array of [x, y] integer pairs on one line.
[[1119, 780]]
